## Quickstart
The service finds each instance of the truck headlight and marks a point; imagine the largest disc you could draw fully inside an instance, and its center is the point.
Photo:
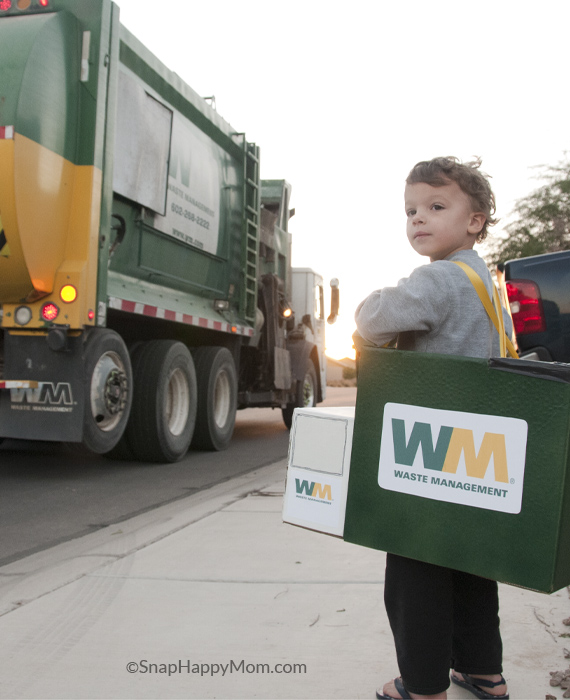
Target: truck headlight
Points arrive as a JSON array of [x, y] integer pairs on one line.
[[285, 309]]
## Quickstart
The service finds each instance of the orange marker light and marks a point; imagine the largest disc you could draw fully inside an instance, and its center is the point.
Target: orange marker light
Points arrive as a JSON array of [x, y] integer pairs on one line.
[[68, 293], [49, 311]]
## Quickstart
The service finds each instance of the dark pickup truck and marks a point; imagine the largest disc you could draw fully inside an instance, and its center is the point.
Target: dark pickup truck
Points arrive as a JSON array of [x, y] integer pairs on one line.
[[538, 290]]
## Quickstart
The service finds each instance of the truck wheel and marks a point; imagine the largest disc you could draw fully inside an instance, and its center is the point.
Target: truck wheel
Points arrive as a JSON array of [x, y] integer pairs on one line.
[[306, 394], [163, 416], [217, 398], [108, 394]]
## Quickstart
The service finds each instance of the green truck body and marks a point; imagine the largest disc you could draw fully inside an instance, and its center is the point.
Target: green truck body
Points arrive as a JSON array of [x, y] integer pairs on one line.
[[145, 269]]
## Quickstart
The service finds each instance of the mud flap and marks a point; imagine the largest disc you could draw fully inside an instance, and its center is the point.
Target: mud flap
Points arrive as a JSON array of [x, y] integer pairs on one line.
[[300, 351], [52, 411]]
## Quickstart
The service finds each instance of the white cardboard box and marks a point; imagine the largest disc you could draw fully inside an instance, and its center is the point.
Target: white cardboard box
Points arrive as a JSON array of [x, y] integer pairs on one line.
[[317, 471]]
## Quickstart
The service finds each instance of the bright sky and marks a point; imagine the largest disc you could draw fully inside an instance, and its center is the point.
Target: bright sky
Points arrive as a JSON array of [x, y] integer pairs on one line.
[[344, 98]]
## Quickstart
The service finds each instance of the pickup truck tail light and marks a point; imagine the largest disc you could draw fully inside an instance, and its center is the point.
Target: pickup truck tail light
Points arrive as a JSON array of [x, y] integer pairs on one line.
[[526, 307]]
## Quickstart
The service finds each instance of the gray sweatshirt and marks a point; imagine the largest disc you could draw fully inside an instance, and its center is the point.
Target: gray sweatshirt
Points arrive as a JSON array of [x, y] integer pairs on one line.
[[435, 309]]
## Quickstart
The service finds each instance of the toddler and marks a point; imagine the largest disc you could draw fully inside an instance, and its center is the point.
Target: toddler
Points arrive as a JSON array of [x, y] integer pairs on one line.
[[441, 619]]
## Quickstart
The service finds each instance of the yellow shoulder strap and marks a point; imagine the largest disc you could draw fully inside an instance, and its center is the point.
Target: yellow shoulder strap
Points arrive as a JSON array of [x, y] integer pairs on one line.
[[493, 309]]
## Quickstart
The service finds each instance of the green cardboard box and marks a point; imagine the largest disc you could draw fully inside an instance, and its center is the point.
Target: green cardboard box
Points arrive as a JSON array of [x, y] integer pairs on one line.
[[463, 462]]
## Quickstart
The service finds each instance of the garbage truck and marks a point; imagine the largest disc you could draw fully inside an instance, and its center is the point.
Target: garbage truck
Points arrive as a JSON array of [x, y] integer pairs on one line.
[[146, 286]]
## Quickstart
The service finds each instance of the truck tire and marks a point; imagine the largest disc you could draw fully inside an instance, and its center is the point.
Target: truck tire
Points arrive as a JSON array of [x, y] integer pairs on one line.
[[163, 416], [108, 390], [217, 398], [306, 394]]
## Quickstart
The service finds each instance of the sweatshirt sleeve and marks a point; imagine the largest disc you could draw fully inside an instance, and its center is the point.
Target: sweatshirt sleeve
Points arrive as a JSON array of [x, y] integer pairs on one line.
[[418, 303]]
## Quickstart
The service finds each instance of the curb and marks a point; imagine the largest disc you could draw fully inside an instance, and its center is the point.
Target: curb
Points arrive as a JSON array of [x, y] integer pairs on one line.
[[30, 578]]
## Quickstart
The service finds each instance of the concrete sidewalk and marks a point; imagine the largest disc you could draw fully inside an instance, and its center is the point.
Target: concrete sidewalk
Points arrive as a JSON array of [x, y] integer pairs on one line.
[[216, 584]]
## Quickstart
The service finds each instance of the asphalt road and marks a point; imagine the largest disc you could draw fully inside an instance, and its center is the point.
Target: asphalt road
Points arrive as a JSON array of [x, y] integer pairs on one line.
[[52, 493]]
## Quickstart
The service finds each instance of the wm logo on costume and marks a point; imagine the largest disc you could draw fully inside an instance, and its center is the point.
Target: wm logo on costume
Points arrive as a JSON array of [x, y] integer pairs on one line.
[[470, 459], [451, 444], [313, 489]]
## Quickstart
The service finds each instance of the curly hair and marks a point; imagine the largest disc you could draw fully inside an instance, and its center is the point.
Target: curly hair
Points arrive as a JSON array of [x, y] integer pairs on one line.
[[441, 171]]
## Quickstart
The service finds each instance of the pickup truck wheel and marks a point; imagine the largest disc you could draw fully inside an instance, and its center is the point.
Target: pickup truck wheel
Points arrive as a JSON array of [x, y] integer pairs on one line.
[[217, 398], [306, 394], [163, 416], [108, 395]]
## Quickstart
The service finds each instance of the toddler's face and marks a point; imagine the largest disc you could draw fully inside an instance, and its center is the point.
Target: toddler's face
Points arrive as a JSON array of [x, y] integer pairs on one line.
[[440, 220]]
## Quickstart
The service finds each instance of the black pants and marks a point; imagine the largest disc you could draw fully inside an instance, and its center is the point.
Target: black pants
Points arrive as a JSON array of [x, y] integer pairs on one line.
[[441, 619]]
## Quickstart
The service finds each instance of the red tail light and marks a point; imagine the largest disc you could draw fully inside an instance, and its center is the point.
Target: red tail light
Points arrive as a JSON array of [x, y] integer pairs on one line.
[[526, 307], [49, 311]]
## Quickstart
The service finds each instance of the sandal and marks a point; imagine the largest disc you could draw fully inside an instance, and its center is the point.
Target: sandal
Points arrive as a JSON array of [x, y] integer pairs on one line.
[[400, 688], [476, 685]]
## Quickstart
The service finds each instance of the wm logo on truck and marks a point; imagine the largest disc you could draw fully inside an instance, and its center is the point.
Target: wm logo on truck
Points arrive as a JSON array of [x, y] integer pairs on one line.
[[47, 393]]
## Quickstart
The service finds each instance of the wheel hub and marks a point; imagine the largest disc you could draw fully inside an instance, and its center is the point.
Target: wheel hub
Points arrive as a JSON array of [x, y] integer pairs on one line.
[[222, 399], [308, 392], [177, 402], [115, 392], [109, 391]]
